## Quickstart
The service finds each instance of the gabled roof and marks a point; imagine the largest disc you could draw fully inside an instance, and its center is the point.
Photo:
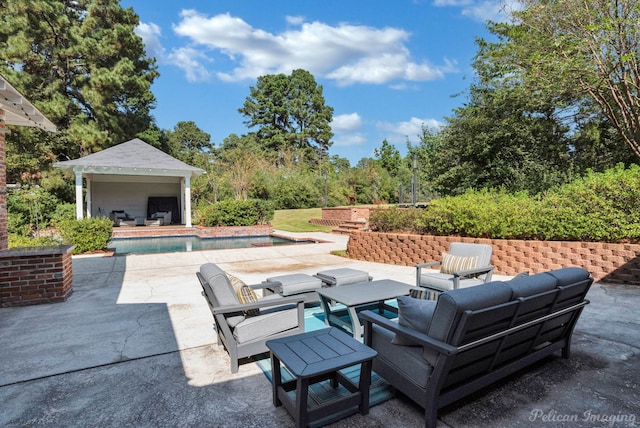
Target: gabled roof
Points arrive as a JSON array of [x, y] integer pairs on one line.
[[19, 111], [135, 157]]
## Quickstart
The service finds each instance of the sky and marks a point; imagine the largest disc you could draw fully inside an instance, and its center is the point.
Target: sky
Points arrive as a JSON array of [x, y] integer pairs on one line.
[[386, 67]]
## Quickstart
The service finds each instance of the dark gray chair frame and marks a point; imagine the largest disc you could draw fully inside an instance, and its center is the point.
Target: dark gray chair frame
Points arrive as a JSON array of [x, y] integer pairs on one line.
[[487, 345], [238, 351]]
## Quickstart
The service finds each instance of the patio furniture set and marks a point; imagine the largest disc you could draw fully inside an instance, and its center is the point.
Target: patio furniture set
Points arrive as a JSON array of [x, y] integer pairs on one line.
[[452, 334]]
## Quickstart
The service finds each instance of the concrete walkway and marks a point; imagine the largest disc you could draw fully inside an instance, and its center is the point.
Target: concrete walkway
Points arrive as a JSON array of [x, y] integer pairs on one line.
[[134, 346]]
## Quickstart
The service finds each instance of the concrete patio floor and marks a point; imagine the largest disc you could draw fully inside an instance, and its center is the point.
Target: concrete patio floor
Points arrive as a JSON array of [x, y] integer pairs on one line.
[[134, 347]]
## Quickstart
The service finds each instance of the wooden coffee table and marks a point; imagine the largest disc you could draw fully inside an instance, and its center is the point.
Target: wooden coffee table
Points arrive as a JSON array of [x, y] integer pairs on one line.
[[313, 357], [357, 297]]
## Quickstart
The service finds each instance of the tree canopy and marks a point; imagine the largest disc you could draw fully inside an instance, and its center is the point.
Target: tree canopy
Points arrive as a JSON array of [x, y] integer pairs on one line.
[[582, 48], [83, 66], [290, 114]]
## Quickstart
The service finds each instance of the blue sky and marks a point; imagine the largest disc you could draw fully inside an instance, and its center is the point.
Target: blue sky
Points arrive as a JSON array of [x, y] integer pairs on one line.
[[387, 67]]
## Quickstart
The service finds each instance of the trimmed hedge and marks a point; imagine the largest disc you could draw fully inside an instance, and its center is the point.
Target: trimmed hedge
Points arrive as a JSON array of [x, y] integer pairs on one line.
[[600, 207], [88, 234], [237, 213]]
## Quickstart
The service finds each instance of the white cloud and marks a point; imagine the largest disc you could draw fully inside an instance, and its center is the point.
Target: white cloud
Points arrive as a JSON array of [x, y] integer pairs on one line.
[[189, 60], [345, 53], [349, 140], [399, 132], [494, 10], [150, 34], [347, 130], [295, 20], [346, 123]]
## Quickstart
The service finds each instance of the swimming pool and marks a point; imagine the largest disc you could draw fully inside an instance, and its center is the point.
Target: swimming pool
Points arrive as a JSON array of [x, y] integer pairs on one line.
[[172, 244]]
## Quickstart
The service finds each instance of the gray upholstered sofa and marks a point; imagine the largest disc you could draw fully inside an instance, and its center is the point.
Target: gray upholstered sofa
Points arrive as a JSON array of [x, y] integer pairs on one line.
[[437, 352], [241, 330]]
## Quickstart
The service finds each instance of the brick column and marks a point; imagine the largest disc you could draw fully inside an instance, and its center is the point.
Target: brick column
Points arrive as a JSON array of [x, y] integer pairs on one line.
[[3, 186]]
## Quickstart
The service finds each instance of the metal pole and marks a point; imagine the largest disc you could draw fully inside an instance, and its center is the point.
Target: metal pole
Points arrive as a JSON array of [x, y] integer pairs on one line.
[[414, 182], [326, 197]]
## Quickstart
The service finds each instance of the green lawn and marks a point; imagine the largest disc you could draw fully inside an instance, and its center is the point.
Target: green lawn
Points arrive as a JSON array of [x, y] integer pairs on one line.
[[298, 220]]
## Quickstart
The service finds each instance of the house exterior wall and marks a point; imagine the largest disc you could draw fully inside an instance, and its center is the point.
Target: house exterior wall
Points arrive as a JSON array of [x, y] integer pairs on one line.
[[130, 196]]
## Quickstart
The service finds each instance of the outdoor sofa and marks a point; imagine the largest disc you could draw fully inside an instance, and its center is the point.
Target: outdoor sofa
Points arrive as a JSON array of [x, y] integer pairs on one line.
[[437, 352]]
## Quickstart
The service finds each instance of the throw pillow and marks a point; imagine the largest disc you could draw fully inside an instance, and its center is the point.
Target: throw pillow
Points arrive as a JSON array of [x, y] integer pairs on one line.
[[414, 314], [245, 294], [421, 293], [451, 263]]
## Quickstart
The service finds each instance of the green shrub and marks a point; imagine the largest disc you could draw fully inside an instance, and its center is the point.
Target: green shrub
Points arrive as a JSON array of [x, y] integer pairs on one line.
[[600, 207], [63, 212], [482, 214], [88, 234], [17, 241], [393, 219], [237, 213]]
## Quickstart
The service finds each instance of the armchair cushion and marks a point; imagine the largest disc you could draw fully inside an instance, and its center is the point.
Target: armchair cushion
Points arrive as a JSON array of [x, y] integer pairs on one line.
[[224, 294], [444, 281], [415, 314], [452, 263], [268, 323]]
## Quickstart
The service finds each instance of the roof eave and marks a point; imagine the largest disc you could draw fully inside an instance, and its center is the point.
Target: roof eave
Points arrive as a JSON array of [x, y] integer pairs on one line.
[[19, 111], [117, 170]]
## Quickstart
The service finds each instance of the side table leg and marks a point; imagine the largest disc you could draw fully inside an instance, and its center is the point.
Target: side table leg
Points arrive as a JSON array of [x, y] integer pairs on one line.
[[302, 397], [276, 379], [365, 383]]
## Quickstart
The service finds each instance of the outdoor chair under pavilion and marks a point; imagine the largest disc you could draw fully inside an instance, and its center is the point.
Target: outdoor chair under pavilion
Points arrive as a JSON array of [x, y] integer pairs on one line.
[[465, 265]]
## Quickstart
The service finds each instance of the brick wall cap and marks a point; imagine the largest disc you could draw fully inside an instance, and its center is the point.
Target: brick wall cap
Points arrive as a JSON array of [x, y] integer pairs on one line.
[[37, 251]]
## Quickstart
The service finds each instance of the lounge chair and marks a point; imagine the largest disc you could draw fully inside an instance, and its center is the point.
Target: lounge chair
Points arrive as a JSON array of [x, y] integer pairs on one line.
[[244, 328], [463, 266]]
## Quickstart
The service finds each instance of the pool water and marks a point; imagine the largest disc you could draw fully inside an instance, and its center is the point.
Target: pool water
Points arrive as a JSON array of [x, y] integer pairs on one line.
[[172, 244]]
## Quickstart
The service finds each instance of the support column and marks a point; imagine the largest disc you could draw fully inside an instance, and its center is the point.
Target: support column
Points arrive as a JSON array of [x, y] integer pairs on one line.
[[187, 201], [79, 203], [4, 234], [89, 208]]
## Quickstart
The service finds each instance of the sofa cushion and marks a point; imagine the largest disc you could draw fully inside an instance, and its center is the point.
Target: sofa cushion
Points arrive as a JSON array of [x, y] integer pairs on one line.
[[296, 283], [265, 324], [525, 286], [415, 314], [452, 263], [406, 359], [223, 291], [452, 304], [343, 276], [569, 275]]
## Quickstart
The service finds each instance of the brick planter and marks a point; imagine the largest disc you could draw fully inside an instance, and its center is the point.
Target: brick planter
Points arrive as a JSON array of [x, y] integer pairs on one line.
[[35, 275], [618, 263]]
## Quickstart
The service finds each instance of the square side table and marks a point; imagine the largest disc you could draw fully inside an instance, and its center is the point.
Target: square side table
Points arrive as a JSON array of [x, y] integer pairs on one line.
[[313, 357]]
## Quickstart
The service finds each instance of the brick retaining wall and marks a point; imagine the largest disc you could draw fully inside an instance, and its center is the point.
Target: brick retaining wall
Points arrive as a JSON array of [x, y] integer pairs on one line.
[[618, 263], [35, 275], [345, 213]]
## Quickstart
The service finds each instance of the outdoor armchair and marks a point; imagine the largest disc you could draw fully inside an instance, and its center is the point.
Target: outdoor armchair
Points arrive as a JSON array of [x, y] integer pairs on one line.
[[244, 328], [464, 265]]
